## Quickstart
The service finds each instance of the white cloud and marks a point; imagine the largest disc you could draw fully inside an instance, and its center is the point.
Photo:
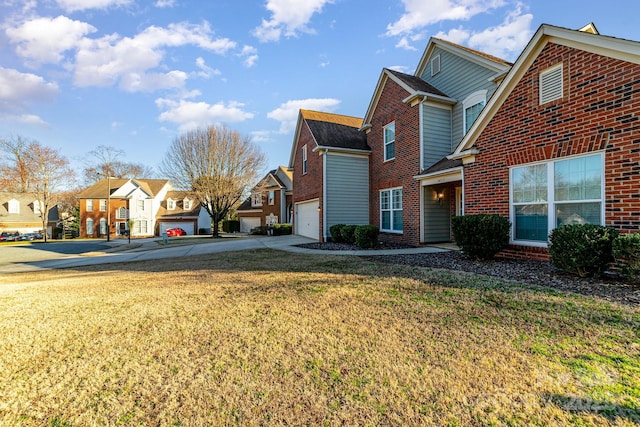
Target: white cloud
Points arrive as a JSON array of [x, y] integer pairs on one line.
[[105, 61], [205, 71], [250, 55], [18, 90], [288, 18], [76, 5], [455, 35], [165, 3], [419, 13], [261, 136], [403, 43], [287, 113], [190, 115], [507, 39], [44, 40]]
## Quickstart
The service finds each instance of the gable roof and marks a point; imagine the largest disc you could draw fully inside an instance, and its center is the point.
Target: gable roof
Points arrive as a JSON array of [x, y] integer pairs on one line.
[[588, 40], [413, 85], [179, 210], [99, 190], [26, 211], [330, 131]]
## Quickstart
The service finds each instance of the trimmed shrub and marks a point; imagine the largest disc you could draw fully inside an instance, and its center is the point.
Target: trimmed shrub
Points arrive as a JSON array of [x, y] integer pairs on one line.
[[626, 251], [231, 226], [260, 230], [281, 229], [348, 234], [366, 236], [582, 249], [336, 233], [481, 236]]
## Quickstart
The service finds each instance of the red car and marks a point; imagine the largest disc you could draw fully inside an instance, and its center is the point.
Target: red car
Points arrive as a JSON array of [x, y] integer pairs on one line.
[[177, 231]]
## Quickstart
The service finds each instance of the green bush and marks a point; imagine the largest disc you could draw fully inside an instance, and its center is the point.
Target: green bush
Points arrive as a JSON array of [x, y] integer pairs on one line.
[[231, 226], [582, 249], [261, 230], [348, 234], [366, 236], [626, 251], [336, 233], [481, 236], [281, 229]]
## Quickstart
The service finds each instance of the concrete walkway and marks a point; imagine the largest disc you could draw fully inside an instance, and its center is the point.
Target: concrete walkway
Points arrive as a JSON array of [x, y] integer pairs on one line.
[[150, 250]]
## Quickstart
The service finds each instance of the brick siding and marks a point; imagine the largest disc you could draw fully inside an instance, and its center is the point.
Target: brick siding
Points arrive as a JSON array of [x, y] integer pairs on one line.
[[308, 186]]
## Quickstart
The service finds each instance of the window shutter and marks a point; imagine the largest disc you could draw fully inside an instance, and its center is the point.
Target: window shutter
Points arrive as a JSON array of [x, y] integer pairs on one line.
[[551, 84]]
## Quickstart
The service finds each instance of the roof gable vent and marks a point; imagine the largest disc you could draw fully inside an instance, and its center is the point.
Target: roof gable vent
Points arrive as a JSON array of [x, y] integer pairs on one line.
[[551, 84], [435, 65]]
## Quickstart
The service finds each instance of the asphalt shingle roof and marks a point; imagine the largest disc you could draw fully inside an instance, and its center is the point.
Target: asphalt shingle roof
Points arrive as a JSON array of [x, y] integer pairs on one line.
[[416, 83]]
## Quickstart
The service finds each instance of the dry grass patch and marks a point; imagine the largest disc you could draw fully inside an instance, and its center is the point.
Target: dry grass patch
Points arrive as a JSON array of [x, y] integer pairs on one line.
[[266, 338]]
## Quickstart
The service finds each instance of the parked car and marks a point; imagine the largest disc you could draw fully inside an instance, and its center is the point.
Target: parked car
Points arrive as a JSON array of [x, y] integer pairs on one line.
[[9, 236], [30, 236], [177, 231]]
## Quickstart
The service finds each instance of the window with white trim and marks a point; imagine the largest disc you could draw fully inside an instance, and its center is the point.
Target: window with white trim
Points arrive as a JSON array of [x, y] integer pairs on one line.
[[89, 226], [389, 141], [140, 204], [103, 205], [256, 199], [472, 107], [550, 82], [103, 226], [547, 195], [89, 206], [140, 227], [122, 213], [304, 159], [171, 204], [36, 207], [186, 204], [391, 210], [271, 200], [14, 206]]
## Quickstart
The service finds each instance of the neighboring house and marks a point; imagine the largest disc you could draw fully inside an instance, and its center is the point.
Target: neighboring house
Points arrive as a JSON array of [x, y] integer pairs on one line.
[[21, 212], [269, 202], [118, 201], [179, 209], [330, 163], [413, 122], [559, 142]]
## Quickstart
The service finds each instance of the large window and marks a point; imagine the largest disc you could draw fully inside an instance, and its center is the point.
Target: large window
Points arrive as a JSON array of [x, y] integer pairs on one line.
[[89, 226], [472, 106], [103, 226], [256, 199], [390, 141], [103, 205], [89, 205], [391, 210], [140, 227], [547, 195], [140, 204]]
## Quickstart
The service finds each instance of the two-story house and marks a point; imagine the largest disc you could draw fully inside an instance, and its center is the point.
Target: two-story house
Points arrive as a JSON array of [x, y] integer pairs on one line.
[[117, 201], [269, 202], [21, 212], [330, 163], [181, 209]]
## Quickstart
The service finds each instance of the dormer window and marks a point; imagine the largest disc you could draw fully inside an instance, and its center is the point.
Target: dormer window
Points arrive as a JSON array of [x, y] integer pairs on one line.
[[256, 199], [186, 204], [14, 206], [171, 204], [36, 207]]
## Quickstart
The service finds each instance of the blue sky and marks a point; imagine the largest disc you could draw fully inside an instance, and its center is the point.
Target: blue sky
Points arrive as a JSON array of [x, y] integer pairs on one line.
[[134, 74]]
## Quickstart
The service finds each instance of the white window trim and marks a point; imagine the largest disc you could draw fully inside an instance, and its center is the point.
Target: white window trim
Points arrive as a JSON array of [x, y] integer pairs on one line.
[[186, 204], [102, 205], [551, 202], [140, 205], [86, 226], [471, 100], [304, 160], [37, 207], [171, 204], [256, 199], [401, 210], [385, 142], [541, 79], [89, 205], [271, 198], [14, 206]]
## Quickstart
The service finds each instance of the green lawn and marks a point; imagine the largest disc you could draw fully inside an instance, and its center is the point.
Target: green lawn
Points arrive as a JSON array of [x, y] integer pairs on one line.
[[272, 338]]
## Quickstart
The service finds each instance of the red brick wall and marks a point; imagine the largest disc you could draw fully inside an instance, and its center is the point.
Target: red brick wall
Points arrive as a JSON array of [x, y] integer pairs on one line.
[[96, 214], [400, 171], [307, 186], [599, 110]]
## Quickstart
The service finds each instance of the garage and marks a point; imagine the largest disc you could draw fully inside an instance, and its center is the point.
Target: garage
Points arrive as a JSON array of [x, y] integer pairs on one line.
[[307, 219], [186, 226], [248, 224]]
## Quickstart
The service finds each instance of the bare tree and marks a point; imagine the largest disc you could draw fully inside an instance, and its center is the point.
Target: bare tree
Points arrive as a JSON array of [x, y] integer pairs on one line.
[[14, 172], [217, 165], [110, 161], [49, 172]]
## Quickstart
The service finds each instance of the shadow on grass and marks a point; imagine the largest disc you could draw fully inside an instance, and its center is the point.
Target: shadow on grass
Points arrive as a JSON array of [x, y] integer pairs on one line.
[[611, 411]]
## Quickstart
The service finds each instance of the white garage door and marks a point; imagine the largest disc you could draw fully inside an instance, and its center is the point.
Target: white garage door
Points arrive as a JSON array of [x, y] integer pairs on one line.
[[307, 219], [186, 226], [247, 224]]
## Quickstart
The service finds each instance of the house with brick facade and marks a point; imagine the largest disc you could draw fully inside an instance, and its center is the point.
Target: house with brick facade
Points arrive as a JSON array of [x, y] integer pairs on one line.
[[559, 141], [269, 202], [330, 163], [412, 123]]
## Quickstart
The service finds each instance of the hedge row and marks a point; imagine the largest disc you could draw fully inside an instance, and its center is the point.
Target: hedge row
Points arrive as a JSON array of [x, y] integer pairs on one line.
[[363, 236]]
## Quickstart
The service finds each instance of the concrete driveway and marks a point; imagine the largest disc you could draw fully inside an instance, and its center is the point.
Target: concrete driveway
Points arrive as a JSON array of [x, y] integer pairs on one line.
[[15, 259]]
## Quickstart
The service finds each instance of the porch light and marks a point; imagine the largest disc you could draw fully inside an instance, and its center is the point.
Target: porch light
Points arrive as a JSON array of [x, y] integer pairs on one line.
[[440, 196]]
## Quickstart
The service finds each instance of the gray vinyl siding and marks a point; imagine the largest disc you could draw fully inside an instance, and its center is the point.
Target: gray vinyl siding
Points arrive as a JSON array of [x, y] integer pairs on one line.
[[459, 78], [436, 134], [437, 215], [347, 190]]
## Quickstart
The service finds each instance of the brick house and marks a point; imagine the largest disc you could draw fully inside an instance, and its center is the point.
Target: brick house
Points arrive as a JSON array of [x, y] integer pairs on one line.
[[559, 142], [269, 202], [330, 163]]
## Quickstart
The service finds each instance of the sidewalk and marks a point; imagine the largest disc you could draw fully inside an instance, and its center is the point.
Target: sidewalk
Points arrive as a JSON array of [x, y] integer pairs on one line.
[[149, 249]]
